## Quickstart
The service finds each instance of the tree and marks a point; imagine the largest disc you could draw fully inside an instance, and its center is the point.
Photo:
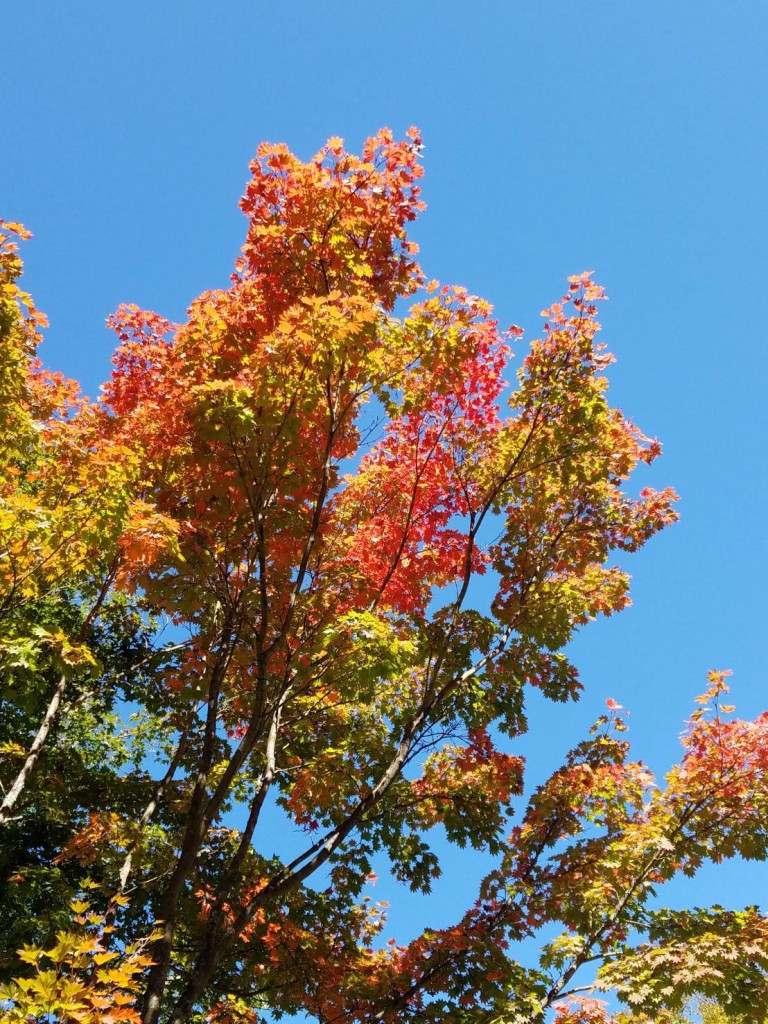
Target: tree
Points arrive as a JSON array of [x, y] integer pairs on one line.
[[697, 1011], [309, 484]]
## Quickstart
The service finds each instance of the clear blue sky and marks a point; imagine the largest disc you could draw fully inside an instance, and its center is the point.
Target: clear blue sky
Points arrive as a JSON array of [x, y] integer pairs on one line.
[[626, 136]]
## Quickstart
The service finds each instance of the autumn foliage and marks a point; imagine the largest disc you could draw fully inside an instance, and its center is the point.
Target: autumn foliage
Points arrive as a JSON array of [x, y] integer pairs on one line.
[[246, 579]]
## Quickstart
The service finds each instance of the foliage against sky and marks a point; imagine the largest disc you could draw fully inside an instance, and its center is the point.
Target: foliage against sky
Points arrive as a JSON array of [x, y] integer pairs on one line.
[[318, 563]]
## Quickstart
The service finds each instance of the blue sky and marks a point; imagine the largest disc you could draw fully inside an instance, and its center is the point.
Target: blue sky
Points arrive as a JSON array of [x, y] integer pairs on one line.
[[626, 137]]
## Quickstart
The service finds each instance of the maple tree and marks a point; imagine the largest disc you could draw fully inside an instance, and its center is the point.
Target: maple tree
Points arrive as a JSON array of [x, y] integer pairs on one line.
[[699, 1010], [245, 577]]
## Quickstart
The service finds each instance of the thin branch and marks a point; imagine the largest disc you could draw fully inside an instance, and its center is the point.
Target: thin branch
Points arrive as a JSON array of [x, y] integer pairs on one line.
[[52, 711]]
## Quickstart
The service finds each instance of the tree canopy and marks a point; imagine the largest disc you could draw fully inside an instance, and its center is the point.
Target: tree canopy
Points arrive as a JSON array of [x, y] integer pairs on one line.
[[245, 576]]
